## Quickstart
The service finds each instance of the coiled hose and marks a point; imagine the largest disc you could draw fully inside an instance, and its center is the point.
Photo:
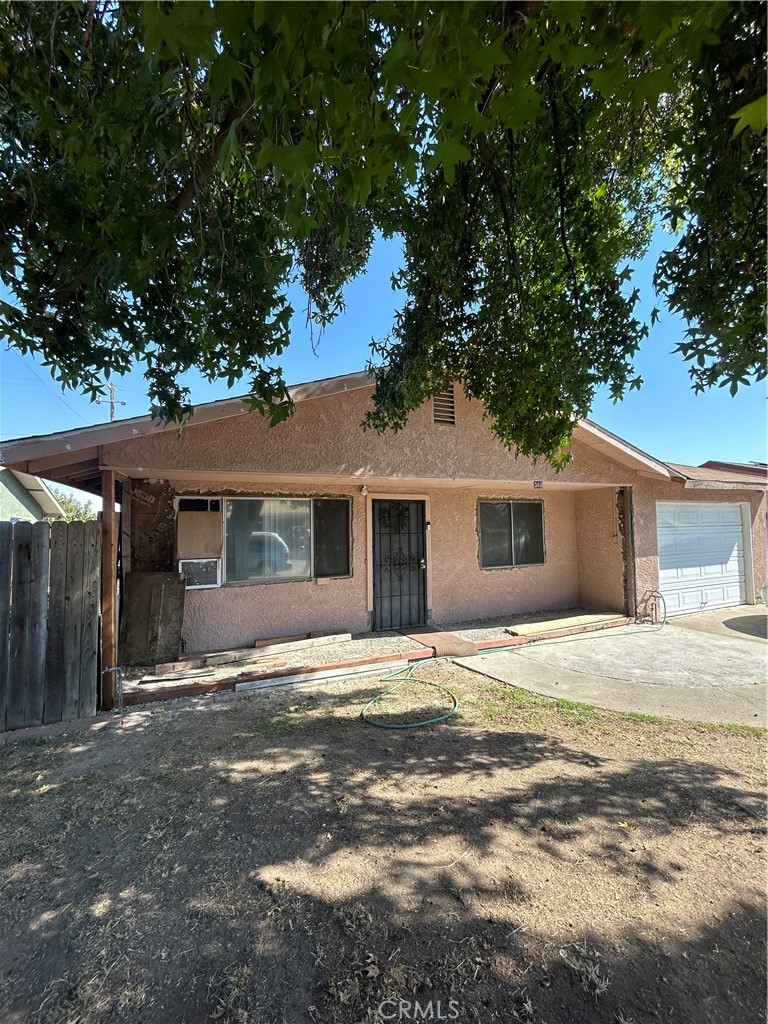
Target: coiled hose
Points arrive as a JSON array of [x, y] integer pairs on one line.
[[401, 680]]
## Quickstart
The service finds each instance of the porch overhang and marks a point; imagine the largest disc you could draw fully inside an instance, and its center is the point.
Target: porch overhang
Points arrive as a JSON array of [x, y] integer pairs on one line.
[[75, 457]]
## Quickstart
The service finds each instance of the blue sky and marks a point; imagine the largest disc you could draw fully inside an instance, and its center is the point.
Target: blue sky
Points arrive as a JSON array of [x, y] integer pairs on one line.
[[665, 418]]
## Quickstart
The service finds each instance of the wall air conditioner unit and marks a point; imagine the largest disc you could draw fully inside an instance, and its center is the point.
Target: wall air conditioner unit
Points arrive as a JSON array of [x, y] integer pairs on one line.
[[201, 573]]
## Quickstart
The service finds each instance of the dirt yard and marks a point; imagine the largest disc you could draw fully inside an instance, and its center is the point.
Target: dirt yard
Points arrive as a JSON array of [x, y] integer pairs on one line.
[[274, 859]]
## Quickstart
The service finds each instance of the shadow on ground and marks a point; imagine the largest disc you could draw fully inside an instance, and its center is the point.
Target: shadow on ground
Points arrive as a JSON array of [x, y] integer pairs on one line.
[[752, 625], [297, 866]]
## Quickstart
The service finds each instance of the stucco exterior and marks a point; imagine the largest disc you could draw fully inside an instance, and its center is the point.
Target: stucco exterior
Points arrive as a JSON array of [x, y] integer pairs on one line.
[[322, 451], [601, 551], [15, 501], [325, 439], [645, 495], [458, 588]]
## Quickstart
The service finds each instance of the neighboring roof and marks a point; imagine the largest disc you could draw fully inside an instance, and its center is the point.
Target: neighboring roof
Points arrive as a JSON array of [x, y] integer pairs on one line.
[[725, 474], [40, 491], [759, 469]]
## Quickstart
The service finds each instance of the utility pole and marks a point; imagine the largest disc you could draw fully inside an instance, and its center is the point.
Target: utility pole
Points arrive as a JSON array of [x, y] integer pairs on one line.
[[112, 401]]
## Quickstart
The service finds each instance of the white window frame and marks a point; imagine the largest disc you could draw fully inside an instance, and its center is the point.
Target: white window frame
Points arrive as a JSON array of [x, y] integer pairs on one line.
[[202, 586]]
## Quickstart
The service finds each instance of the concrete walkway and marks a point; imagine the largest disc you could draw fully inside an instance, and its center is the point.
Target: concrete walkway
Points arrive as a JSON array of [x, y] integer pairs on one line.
[[747, 622], [673, 672]]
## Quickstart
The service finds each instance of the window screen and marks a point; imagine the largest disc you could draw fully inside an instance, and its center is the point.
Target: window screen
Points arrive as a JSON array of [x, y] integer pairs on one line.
[[511, 533], [267, 539], [495, 534], [528, 532], [331, 526]]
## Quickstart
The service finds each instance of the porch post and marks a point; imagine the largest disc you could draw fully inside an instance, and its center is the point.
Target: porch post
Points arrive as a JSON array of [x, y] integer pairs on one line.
[[108, 589], [627, 525]]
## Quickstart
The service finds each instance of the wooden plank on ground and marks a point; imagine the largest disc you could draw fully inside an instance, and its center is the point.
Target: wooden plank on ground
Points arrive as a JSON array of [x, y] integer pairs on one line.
[[309, 642], [73, 620], [55, 662], [165, 667], [558, 622], [37, 627], [18, 646], [280, 640], [148, 696], [6, 547], [89, 645], [193, 675], [231, 657]]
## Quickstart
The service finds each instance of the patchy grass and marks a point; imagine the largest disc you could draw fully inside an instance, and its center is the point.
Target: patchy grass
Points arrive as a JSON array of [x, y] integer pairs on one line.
[[732, 729], [499, 703], [274, 859], [636, 716]]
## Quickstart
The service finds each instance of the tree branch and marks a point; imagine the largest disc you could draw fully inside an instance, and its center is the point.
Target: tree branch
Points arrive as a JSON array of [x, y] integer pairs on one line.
[[202, 173], [561, 197]]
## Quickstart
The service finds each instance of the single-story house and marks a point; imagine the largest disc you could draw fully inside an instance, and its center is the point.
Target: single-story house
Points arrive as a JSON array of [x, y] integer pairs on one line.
[[316, 524], [26, 498]]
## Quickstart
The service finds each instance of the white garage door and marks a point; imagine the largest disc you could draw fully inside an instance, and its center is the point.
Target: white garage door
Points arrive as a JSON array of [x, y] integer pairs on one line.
[[701, 556]]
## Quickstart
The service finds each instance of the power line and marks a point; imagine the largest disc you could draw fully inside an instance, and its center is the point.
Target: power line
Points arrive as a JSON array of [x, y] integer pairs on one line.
[[49, 384]]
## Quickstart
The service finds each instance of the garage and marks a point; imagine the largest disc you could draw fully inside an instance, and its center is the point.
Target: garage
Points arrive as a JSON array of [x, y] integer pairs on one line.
[[701, 555]]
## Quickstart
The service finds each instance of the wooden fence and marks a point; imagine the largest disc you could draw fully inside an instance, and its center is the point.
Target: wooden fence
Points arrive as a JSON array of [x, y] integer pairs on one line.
[[49, 622]]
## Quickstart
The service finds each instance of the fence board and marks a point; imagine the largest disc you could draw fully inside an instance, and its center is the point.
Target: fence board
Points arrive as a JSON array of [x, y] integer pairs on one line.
[[55, 659], [89, 646], [73, 620], [49, 622], [18, 647], [6, 547], [37, 624]]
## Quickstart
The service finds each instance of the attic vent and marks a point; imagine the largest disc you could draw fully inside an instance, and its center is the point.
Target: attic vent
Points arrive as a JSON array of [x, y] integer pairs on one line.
[[444, 407]]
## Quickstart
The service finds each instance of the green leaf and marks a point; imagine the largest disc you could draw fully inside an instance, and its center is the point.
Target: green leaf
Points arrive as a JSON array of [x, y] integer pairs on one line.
[[753, 116]]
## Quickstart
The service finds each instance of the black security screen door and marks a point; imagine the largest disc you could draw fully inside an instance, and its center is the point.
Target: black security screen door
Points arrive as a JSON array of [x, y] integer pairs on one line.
[[399, 564]]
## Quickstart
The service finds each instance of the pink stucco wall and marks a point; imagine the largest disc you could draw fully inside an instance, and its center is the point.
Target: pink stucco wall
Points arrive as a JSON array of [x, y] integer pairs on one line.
[[647, 492], [322, 450], [236, 615], [325, 438], [458, 588], [601, 559], [461, 590]]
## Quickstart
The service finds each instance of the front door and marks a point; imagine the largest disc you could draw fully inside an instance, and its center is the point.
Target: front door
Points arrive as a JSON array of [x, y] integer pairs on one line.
[[399, 564]]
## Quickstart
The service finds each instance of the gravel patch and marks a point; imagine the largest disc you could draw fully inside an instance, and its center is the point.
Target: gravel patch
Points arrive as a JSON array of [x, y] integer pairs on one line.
[[362, 645]]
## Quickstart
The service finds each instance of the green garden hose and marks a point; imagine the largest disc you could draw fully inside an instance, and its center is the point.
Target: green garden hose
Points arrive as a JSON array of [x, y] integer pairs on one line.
[[409, 677]]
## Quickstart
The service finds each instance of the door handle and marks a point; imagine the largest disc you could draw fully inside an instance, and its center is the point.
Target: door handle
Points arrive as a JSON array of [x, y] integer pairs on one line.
[[422, 563]]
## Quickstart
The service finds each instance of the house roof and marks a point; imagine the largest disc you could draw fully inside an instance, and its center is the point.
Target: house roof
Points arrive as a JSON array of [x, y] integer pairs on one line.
[[40, 491], [72, 456]]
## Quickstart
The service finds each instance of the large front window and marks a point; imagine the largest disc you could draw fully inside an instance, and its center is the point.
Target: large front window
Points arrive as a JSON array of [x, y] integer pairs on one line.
[[511, 533], [285, 538]]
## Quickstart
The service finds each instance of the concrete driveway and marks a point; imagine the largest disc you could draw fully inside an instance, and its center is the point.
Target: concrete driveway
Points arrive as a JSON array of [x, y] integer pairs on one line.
[[717, 674]]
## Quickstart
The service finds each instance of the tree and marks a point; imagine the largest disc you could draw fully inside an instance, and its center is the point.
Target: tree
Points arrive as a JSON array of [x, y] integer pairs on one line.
[[168, 168], [82, 511]]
